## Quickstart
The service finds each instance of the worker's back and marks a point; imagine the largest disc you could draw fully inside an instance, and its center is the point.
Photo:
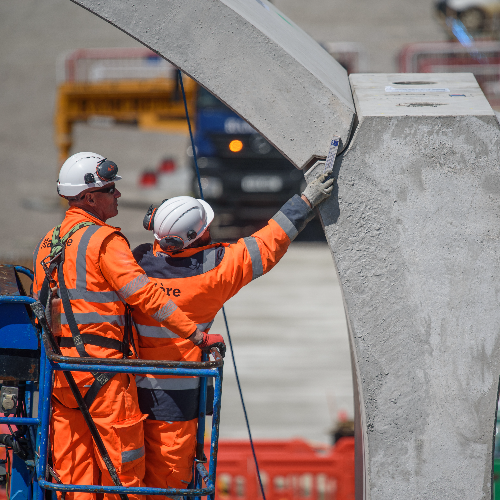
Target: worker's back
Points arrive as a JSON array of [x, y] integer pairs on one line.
[[200, 280]]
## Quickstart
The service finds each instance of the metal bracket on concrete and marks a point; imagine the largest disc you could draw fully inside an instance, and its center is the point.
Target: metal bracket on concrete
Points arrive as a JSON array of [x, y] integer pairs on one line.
[[332, 154], [324, 166]]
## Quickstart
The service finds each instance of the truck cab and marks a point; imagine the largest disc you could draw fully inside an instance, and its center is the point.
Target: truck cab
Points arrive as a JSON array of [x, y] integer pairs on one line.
[[242, 174]]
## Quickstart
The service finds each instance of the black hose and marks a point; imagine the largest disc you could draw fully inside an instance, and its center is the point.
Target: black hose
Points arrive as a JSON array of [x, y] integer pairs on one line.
[[17, 443]]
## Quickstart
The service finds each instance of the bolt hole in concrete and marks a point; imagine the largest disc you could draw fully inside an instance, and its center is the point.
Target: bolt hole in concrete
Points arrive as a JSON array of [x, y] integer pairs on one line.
[[421, 105], [414, 83]]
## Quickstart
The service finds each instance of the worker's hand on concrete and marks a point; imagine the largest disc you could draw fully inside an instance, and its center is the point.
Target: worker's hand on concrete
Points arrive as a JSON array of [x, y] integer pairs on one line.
[[213, 340], [319, 189]]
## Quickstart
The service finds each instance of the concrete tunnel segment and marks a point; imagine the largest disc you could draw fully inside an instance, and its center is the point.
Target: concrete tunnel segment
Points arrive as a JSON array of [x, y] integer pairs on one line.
[[413, 227], [250, 55]]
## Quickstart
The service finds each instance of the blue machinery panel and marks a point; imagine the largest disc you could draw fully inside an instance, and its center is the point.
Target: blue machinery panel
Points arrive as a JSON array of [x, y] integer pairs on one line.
[[17, 333]]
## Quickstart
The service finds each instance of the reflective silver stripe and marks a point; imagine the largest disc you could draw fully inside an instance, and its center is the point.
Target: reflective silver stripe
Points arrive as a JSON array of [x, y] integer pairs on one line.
[[160, 332], [204, 326], [93, 317], [130, 455], [136, 284], [286, 224], [80, 291], [81, 257], [168, 384], [90, 296], [253, 250], [164, 312], [209, 259]]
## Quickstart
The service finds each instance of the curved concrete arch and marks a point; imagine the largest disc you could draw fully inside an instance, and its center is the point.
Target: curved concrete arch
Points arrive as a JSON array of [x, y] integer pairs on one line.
[[254, 59], [413, 226]]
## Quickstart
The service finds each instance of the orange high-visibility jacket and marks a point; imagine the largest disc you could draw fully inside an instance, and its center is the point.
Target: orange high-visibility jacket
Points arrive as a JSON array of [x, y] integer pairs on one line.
[[101, 275], [201, 280]]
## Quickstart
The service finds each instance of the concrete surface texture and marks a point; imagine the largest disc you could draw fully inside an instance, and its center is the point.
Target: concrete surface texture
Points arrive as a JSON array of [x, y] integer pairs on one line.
[[415, 237], [254, 59]]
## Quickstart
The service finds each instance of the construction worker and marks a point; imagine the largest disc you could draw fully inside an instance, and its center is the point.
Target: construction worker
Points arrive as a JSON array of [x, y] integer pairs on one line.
[[101, 281], [201, 276]]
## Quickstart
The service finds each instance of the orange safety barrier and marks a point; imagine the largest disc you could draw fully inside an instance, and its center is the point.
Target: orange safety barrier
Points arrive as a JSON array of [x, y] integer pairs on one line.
[[290, 470]]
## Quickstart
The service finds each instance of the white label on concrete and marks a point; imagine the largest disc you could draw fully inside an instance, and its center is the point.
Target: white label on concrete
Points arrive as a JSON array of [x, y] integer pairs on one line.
[[330, 159], [419, 90]]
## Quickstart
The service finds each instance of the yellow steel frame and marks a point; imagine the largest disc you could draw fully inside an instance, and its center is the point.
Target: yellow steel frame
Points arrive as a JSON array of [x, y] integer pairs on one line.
[[149, 104]]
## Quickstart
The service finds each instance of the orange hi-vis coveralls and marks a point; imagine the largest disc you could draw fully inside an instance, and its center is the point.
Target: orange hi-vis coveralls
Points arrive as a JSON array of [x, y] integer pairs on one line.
[[101, 276], [201, 280]]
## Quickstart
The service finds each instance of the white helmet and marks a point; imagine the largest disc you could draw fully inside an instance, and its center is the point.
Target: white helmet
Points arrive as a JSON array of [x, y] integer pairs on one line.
[[179, 221], [84, 171]]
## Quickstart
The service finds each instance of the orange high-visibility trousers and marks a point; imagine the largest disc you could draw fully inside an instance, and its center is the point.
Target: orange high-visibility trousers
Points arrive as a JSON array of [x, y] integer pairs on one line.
[[119, 421], [170, 450]]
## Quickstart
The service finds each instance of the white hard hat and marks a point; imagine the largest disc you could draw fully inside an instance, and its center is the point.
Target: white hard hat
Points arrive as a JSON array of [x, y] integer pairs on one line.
[[84, 171], [179, 221]]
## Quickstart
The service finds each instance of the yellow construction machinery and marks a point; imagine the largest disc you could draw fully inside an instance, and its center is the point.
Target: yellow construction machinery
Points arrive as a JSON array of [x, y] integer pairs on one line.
[[131, 86]]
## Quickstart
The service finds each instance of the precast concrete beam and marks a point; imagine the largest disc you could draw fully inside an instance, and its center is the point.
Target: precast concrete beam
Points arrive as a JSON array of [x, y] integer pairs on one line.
[[415, 236], [253, 58]]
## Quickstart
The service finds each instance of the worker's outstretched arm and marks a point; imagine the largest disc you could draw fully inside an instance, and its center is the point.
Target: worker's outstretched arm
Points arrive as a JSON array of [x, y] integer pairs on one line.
[[256, 255], [122, 271]]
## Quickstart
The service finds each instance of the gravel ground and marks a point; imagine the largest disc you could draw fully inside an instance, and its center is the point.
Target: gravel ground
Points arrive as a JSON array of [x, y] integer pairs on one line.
[[288, 327]]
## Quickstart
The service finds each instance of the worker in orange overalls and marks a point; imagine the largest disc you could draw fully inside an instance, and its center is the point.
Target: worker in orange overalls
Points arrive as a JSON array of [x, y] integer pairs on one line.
[[201, 277], [101, 280]]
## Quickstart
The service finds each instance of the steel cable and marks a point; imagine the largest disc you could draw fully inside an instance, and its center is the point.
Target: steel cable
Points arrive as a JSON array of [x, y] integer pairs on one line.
[[193, 148]]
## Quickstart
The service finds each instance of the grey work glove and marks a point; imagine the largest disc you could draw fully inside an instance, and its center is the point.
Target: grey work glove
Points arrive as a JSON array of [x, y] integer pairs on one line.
[[319, 189]]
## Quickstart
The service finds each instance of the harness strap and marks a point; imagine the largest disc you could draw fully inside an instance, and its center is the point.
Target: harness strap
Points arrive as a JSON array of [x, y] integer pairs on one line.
[[100, 379], [45, 290], [57, 256], [40, 314], [57, 246], [68, 310], [96, 340]]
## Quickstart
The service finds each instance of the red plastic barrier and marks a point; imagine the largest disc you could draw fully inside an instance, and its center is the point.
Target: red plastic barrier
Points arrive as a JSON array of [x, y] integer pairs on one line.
[[290, 470]]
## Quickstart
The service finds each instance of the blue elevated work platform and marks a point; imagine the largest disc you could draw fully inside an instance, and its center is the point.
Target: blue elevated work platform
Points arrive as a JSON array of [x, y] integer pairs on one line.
[[28, 359]]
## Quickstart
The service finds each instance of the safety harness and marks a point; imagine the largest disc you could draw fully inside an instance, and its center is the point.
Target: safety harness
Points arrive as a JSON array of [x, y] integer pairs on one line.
[[56, 260]]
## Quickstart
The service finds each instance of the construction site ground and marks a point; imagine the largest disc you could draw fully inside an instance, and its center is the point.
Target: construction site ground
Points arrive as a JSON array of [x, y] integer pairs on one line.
[[288, 327]]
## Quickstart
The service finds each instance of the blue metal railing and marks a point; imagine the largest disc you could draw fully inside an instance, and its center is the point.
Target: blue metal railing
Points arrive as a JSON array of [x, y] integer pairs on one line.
[[22, 477], [25, 271], [136, 366], [204, 481], [16, 299]]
